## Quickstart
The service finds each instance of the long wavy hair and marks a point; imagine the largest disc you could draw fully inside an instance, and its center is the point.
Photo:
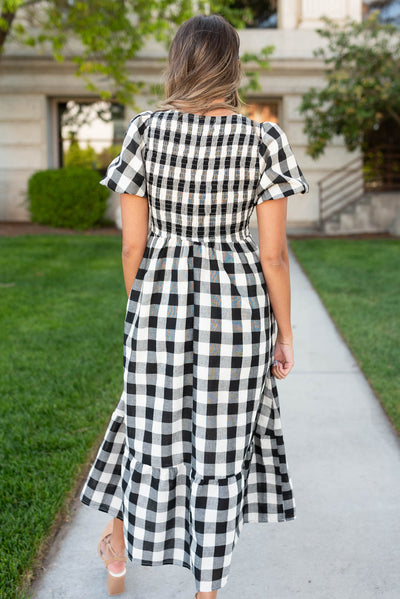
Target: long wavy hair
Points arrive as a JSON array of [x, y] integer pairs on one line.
[[203, 66]]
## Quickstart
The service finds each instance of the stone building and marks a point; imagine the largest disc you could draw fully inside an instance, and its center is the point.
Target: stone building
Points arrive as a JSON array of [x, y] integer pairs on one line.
[[35, 92]]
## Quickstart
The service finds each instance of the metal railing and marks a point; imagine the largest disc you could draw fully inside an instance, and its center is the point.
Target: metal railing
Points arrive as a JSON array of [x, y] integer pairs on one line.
[[340, 189], [378, 170]]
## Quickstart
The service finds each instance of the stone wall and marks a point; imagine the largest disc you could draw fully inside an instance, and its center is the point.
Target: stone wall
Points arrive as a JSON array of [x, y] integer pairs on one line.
[[23, 149], [375, 212], [385, 210]]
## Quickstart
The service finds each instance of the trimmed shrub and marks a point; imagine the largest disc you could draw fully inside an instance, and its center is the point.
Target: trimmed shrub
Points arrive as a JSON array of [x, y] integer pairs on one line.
[[70, 197], [76, 156]]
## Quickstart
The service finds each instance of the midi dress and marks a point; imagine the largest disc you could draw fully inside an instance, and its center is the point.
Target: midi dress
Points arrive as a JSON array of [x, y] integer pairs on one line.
[[194, 448]]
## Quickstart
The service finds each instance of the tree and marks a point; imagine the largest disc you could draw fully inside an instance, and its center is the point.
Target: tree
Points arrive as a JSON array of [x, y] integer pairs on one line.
[[362, 84], [262, 13], [110, 34]]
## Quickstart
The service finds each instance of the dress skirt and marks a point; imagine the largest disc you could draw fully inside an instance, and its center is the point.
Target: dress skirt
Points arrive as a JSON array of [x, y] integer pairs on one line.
[[194, 448]]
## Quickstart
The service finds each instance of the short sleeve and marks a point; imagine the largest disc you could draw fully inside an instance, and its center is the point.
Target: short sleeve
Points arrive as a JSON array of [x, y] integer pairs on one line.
[[281, 176], [126, 173]]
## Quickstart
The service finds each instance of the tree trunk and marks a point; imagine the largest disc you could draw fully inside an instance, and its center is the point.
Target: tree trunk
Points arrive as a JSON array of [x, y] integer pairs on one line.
[[8, 17]]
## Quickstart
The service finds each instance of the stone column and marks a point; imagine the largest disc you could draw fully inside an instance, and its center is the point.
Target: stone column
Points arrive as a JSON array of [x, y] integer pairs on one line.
[[289, 13], [339, 10]]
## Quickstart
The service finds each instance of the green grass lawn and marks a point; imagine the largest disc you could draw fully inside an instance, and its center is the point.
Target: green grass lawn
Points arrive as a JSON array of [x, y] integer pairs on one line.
[[359, 283], [62, 306]]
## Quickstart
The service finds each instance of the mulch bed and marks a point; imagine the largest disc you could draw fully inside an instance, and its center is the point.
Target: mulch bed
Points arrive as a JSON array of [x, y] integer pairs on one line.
[[21, 228], [13, 229]]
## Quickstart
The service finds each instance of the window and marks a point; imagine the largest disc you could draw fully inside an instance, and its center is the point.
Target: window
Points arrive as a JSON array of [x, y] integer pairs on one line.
[[90, 134], [389, 10], [262, 111], [265, 12], [382, 157]]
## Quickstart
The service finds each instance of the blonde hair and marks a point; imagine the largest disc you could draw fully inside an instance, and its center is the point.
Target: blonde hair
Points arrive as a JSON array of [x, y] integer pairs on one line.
[[203, 66]]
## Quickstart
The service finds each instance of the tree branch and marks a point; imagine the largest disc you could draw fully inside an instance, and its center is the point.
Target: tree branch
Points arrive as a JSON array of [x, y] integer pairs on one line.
[[8, 17]]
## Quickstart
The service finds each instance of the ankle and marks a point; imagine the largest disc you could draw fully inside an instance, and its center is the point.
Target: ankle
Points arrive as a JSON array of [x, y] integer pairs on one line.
[[112, 548], [117, 544]]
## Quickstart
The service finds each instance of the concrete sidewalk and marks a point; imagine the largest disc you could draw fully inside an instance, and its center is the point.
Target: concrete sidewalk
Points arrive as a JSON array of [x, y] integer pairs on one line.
[[343, 457]]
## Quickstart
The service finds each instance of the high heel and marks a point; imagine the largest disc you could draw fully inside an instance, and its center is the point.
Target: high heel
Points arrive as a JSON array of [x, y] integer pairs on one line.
[[115, 582]]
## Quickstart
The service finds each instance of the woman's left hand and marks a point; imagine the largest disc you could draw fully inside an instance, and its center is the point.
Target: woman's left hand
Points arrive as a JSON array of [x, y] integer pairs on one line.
[[283, 360]]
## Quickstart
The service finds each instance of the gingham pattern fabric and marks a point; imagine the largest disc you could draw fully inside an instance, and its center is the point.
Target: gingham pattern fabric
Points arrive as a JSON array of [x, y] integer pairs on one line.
[[194, 448]]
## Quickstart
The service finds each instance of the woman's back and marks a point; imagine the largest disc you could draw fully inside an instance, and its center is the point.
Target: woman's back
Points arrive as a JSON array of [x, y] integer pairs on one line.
[[203, 175]]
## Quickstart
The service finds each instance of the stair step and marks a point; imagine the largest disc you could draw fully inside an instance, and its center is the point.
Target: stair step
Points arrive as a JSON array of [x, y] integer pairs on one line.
[[362, 216], [331, 227], [357, 217], [346, 221]]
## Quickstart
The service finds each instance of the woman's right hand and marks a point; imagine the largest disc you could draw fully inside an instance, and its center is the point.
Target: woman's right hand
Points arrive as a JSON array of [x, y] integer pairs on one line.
[[283, 360]]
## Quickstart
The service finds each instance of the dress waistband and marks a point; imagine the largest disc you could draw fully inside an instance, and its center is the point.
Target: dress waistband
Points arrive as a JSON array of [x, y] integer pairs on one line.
[[237, 236]]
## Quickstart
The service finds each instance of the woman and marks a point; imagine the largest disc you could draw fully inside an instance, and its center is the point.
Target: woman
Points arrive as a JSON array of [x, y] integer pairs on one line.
[[194, 448]]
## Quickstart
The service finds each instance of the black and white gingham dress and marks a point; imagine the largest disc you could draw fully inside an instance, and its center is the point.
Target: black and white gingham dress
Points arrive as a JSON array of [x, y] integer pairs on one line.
[[194, 448]]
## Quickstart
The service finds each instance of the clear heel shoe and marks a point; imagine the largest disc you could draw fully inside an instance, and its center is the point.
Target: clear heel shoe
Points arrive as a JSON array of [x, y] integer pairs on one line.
[[115, 581]]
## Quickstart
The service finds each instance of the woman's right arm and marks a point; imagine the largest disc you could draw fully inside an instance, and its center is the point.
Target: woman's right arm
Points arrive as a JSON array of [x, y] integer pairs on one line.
[[135, 219], [274, 258]]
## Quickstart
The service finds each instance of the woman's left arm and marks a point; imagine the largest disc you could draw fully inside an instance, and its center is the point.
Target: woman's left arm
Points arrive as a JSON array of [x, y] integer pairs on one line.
[[135, 222]]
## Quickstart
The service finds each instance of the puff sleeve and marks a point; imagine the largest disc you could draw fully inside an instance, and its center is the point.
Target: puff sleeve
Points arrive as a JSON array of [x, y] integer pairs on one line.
[[126, 173], [281, 176]]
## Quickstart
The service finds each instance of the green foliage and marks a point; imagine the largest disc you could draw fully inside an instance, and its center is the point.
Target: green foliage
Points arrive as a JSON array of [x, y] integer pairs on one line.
[[261, 60], [255, 12], [76, 156], [70, 197], [362, 83], [107, 155], [87, 158], [110, 35], [61, 378], [359, 283]]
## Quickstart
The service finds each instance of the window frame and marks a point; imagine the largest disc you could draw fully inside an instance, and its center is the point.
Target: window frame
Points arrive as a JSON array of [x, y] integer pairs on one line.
[[54, 138]]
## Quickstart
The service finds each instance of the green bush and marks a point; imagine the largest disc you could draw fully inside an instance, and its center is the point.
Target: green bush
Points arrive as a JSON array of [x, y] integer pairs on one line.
[[76, 156], [70, 197]]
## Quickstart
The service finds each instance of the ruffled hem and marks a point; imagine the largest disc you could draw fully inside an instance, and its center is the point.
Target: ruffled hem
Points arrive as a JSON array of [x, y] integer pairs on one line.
[[174, 516]]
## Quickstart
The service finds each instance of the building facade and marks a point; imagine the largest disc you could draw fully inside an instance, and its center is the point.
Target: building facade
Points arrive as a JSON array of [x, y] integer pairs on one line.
[[36, 91]]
